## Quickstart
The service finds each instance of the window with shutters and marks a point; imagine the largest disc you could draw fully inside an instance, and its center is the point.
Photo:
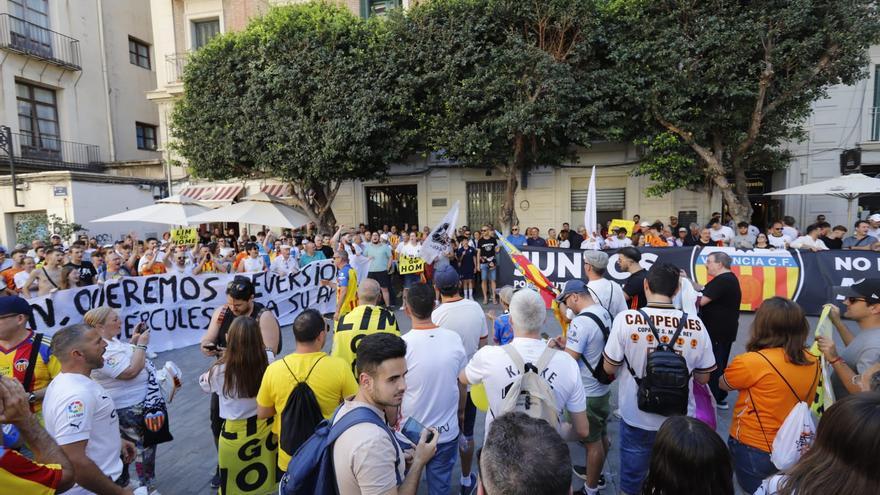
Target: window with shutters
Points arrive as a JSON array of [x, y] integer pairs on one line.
[[484, 200], [38, 121], [203, 31]]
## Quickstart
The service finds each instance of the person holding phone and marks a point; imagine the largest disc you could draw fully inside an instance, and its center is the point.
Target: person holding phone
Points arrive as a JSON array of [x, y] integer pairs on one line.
[[366, 458], [124, 376]]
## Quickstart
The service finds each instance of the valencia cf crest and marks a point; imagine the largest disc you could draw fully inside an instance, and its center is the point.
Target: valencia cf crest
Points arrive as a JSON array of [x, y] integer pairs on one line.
[[761, 274]]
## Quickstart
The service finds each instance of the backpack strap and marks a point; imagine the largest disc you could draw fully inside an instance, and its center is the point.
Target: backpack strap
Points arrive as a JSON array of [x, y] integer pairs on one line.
[[681, 323], [602, 328], [298, 381], [796, 396], [360, 415], [32, 362], [545, 358], [48, 277], [515, 357]]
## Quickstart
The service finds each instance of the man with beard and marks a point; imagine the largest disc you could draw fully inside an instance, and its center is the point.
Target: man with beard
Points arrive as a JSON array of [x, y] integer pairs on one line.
[[366, 455], [82, 417]]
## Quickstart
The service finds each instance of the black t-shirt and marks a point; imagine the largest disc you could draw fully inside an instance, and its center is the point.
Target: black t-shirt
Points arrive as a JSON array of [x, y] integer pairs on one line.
[[575, 239], [832, 243], [86, 273], [328, 251], [721, 316], [487, 249], [635, 288]]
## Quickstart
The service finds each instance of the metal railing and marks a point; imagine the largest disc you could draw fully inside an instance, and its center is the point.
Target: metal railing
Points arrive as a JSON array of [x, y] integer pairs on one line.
[[174, 65], [46, 153], [875, 124], [27, 38]]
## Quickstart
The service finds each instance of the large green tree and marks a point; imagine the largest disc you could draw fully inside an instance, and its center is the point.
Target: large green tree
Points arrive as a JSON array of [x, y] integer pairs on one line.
[[304, 94], [504, 84], [715, 88]]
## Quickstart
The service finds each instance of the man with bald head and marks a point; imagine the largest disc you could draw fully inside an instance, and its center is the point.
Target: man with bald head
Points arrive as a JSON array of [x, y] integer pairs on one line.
[[365, 319]]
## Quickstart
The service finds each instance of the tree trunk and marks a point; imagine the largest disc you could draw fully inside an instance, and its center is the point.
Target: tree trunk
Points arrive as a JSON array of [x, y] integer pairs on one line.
[[735, 196], [315, 200], [508, 218]]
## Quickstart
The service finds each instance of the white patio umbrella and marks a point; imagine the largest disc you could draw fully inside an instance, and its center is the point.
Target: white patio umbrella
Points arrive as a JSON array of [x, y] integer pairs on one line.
[[849, 187], [258, 209], [173, 210]]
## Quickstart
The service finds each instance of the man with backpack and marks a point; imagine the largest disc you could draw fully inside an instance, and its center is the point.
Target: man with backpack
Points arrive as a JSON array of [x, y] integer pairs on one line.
[[586, 337], [303, 387], [656, 380], [527, 375], [434, 397]]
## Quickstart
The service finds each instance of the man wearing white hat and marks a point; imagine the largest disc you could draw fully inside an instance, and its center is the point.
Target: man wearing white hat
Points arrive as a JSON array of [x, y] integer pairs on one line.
[[874, 221], [284, 264]]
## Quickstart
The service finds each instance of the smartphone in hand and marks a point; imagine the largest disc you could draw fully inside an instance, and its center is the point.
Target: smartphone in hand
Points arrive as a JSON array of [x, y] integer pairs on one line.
[[412, 430]]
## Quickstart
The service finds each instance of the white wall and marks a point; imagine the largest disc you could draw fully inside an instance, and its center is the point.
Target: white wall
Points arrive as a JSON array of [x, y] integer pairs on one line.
[[95, 200]]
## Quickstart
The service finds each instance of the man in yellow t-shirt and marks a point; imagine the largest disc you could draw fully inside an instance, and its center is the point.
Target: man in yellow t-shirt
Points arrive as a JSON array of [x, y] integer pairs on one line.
[[367, 318], [329, 377]]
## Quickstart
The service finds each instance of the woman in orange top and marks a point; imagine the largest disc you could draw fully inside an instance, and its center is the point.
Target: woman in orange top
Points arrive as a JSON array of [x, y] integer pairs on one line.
[[774, 375]]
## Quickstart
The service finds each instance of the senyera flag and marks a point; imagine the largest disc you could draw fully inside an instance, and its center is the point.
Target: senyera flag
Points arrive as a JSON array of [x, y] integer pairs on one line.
[[535, 277]]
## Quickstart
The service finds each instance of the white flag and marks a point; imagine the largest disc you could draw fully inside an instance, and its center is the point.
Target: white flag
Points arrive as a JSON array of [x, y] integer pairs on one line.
[[440, 238], [590, 218]]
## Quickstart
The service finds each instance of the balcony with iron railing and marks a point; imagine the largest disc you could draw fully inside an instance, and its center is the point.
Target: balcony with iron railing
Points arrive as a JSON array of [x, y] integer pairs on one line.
[[174, 65], [20, 36], [42, 153]]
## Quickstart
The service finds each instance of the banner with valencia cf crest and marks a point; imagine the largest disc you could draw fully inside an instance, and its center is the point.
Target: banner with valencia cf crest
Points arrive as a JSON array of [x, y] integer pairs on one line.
[[803, 276]]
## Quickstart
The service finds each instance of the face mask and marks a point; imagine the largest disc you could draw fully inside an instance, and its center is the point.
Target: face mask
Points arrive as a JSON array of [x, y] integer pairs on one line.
[[569, 314]]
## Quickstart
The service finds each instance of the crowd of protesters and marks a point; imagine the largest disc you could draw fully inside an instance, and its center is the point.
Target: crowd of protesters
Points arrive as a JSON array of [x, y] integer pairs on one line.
[[95, 393]]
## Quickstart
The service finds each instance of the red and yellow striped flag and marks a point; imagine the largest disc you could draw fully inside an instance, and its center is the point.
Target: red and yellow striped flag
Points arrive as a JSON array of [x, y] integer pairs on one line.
[[535, 277]]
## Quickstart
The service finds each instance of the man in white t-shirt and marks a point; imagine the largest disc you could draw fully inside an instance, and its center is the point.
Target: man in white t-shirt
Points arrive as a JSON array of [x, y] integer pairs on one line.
[[718, 232], [81, 416], [776, 237], [629, 344], [788, 227], [493, 367], [605, 292], [618, 240], [590, 323], [434, 397], [466, 318]]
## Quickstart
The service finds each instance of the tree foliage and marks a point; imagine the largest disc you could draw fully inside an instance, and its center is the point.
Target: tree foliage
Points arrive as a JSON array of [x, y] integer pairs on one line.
[[303, 94], [716, 88], [510, 84]]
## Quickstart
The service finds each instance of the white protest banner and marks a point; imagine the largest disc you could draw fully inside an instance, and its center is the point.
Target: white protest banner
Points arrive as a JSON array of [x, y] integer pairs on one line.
[[178, 308], [440, 238]]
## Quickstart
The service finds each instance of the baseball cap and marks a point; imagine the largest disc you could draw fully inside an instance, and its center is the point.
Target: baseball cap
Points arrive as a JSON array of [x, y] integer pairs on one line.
[[445, 277], [574, 286], [2, 249], [869, 289], [875, 217], [14, 305], [597, 259], [682, 229], [645, 224]]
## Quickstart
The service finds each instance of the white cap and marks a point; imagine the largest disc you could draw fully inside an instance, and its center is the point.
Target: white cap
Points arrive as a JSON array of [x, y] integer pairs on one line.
[[285, 246], [304, 242], [875, 217], [645, 224]]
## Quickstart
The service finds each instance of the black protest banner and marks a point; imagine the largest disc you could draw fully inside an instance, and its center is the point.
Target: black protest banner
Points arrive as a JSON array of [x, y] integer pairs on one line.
[[806, 277], [178, 308]]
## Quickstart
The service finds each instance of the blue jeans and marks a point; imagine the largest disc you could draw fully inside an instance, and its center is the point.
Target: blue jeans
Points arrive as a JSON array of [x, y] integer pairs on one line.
[[438, 472], [751, 465], [635, 457]]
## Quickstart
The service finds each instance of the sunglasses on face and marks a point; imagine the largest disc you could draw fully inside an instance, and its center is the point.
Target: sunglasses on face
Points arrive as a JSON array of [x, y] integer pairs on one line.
[[852, 300]]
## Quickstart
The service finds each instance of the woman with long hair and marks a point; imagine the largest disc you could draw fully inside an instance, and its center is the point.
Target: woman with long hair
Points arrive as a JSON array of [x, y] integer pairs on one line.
[[236, 378], [773, 375], [688, 457], [843, 459], [124, 377]]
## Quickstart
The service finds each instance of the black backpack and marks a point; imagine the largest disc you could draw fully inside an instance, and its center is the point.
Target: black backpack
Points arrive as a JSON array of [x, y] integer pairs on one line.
[[301, 413], [665, 388], [599, 371]]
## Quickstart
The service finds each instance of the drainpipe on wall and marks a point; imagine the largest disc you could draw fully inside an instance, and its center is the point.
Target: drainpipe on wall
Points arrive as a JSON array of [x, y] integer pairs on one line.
[[104, 71]]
